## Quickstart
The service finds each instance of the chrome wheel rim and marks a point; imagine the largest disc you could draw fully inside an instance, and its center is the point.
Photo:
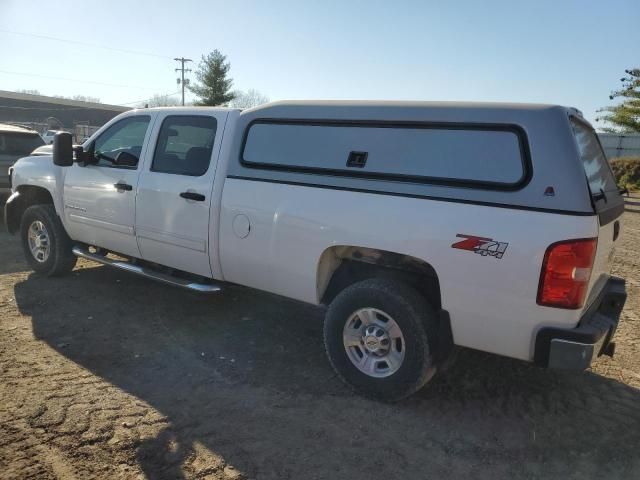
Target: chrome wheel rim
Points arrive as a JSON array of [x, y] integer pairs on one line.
[[39, 243], [374, 342]]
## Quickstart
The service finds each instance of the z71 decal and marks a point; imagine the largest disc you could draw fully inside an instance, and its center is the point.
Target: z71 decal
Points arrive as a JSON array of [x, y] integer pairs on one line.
[[483, 246]]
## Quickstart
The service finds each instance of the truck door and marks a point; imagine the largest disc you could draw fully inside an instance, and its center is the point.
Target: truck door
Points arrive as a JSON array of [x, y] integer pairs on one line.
[[99, 199], [174, 194]]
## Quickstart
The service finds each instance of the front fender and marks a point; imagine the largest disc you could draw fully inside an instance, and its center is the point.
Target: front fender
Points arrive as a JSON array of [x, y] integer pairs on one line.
[[35, 180]]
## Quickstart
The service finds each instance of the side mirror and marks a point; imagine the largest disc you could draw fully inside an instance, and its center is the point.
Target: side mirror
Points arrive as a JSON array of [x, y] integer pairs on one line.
[[63, 149], [126, 159], [82, 157]]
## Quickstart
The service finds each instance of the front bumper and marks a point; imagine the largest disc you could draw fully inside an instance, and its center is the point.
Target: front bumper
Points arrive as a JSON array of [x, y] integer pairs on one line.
[[576, 348]]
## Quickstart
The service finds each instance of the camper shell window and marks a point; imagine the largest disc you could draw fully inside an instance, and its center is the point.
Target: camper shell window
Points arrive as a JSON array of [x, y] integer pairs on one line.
[[490, 155]]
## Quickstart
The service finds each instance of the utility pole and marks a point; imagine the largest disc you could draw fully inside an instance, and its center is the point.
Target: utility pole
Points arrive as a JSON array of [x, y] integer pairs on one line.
[[182, 61]]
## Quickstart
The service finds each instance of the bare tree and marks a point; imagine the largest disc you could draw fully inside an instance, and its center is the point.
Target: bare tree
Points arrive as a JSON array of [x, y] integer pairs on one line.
[[79, 98], [28, 91], [159, 100], [86, 98], [250, 98]]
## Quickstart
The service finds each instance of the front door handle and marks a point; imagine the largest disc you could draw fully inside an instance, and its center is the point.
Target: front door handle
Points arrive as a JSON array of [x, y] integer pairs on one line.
[[193, 196], [123, 186]]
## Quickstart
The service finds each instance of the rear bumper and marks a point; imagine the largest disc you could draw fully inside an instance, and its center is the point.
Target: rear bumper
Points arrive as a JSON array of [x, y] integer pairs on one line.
[[575, 348]]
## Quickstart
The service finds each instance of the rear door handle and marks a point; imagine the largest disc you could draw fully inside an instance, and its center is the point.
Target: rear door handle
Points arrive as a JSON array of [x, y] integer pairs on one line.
[[193, 196], [123, 186]]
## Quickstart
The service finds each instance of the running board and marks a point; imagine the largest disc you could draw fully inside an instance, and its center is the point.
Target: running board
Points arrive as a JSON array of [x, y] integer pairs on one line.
[[147, 272]]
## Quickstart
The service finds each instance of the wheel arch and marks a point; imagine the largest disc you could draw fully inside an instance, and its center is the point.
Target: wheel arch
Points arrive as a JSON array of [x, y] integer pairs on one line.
[[343, 265], [24, 197]]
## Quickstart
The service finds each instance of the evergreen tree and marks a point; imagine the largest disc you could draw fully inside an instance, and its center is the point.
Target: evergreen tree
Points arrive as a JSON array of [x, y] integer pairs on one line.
[[625, 117], [213, 87]]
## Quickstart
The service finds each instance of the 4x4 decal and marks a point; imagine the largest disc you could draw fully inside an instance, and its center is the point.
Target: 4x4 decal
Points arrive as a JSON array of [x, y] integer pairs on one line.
[[483, 246]]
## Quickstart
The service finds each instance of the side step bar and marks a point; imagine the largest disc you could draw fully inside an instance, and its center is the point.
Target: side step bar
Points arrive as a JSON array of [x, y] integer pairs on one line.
[[147, 272]]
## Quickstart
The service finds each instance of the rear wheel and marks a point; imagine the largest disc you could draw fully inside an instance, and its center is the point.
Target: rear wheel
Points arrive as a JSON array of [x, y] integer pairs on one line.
[[46, 245], [377, 335]]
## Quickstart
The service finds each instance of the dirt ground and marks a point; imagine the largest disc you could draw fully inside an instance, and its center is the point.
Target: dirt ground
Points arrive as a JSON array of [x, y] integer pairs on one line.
[[106, 375]]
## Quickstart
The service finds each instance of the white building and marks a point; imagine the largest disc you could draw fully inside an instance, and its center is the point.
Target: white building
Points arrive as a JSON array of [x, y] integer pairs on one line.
[[620, 144]]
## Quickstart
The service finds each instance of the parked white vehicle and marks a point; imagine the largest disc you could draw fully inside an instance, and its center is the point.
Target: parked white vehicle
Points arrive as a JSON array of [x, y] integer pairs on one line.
[[420, 225], [15, 142], [49, 135]]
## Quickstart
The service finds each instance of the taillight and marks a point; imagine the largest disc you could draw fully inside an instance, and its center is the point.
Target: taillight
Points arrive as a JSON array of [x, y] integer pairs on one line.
[[566, 271]]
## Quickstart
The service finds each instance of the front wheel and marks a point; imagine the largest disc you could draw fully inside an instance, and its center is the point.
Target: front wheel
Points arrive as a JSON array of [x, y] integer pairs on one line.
[[46, 245], [377, 335]]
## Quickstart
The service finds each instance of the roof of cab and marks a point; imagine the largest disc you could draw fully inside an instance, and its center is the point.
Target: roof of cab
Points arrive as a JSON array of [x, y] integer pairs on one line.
[[186, 109]]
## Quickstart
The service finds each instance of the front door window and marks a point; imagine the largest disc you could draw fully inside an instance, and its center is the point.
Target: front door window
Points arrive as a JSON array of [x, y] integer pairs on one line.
[[127, 135]]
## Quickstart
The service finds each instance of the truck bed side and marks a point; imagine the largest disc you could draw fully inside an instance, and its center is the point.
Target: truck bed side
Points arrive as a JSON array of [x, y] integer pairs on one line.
[[491, 301]]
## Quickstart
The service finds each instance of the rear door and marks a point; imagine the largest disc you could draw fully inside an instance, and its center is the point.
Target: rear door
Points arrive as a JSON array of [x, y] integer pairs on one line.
[[174, 194], [608, 202]]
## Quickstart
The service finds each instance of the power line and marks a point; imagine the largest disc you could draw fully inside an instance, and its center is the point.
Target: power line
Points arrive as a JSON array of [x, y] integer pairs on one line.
[[182, 61], [92, 45], [27, 74]]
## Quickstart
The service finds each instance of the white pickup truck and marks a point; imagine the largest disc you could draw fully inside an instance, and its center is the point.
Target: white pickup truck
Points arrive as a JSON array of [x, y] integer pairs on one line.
[[420, 225]]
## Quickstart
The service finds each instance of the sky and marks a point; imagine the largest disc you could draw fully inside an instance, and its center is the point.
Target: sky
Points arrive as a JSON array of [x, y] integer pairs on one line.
[[565, 52]]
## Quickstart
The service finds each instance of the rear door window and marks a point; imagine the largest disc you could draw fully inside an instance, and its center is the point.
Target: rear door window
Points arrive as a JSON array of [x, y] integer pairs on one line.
[[185, 144], [594, 161]]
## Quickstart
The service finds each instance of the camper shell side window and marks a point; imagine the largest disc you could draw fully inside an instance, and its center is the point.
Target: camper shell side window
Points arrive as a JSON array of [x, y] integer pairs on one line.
[[487, 155]]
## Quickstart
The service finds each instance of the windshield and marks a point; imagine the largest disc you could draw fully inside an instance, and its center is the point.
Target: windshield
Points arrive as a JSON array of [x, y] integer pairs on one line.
[[594, 161]]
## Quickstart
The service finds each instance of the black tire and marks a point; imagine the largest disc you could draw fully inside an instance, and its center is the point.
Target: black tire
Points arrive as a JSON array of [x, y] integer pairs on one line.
[[417, 321], [60, 259]]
